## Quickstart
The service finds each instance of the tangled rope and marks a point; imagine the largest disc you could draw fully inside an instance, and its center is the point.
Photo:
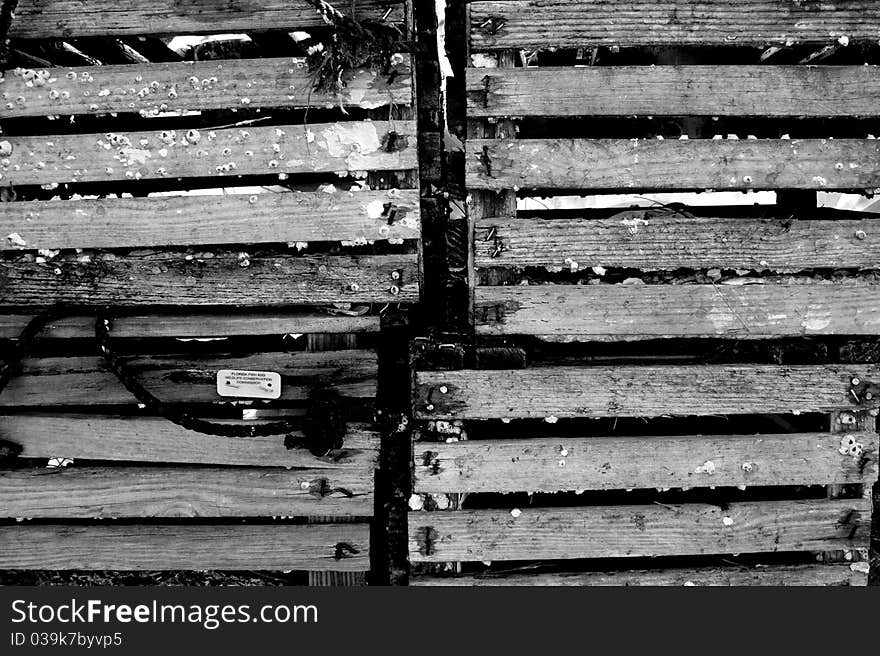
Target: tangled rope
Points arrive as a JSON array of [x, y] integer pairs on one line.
[[324, 425]]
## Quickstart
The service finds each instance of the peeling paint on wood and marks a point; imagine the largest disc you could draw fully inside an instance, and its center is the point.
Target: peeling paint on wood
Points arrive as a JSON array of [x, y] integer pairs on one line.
[[319, 148]]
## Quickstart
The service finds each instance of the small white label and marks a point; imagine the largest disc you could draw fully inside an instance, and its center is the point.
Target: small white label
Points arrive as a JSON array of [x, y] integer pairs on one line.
[[249, 384]]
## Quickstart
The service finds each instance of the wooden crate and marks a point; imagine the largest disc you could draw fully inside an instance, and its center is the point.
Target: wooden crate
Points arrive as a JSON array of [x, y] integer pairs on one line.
[[233, 217], [605, 427]]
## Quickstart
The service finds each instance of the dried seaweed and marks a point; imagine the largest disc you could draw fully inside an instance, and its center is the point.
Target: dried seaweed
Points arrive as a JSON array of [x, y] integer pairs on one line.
[[352, 44]]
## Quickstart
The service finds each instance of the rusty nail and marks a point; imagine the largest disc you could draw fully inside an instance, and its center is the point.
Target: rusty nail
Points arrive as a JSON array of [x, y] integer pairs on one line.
[[354, 287], [395, 275], [394, 290], [855, 381]]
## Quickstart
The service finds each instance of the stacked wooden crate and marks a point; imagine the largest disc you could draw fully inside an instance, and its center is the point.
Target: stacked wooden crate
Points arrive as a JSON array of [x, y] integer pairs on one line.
[[229, 216], [667, 394]]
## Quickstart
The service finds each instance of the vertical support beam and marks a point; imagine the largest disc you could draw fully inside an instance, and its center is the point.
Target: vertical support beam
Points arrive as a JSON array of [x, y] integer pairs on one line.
[[483, 204], [430, 115]]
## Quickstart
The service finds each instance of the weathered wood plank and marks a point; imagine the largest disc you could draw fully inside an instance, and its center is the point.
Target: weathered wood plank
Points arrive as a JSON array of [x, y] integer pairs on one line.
[[500, 24], [222, 153], [220, 219], [679, 164], [181, 378], [607, 463], [776, 575], [656, 311], [233, 547], [38, 19], [651, 530], [198, 325], [169, 278], [636, 391], [152, 439], [654, 240], [150, 89], [111, 492], [675, 90]]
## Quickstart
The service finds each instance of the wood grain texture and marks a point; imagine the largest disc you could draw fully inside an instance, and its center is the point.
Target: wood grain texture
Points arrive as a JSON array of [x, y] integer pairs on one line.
[[608, 463], [651, 530], [187, 379], [653, 240], [168, 278], [636, 391], [198, 324], [579, 23], [216, 219], [287, 149], [775, 575], [230, 547], [679, 164], [151, 89], [156, 440], [77, 492], [675, 90], [651, 311], [69, 18]]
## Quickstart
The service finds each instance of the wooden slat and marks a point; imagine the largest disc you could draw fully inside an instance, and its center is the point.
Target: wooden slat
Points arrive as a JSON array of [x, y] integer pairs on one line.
[[253, 150], [183, 378], [111, 492], [607, 463], [186, 86], [198, 325], [579, 23], [673, 164], [216, 219], [675, 90], [652, 311], [156, 440], [636, 391], [663, 240], [37, 19], [776, 575], [651, 530], [168, 278], [250, 547]]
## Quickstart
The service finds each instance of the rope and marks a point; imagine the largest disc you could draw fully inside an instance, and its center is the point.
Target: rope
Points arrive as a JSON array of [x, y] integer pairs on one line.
[[324, 425]]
